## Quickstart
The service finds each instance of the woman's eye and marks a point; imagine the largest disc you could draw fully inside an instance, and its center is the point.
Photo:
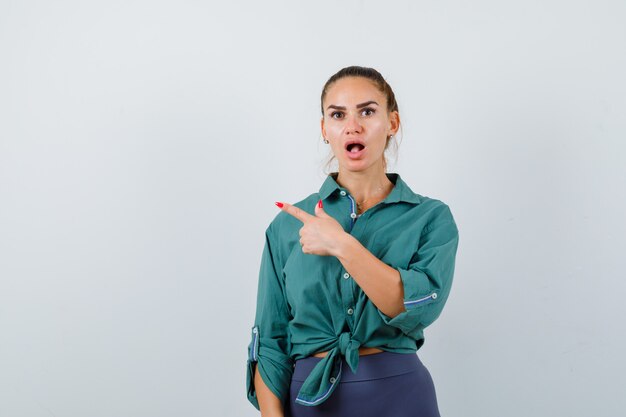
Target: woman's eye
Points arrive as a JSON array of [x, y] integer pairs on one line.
[[366, 111]]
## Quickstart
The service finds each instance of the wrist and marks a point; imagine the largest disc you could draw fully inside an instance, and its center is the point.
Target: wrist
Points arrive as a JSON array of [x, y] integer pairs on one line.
[[344, 244]]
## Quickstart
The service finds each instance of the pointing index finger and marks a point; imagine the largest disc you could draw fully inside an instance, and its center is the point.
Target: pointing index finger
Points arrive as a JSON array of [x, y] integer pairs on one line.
[[296, 212]]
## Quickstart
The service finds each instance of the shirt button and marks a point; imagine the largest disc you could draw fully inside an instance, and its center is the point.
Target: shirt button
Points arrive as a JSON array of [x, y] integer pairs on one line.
[[353, 215], [350, 311], [342, 192], [346, 276]]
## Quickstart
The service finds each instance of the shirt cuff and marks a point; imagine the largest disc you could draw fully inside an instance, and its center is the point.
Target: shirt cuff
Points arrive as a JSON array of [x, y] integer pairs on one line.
[[420, 299], [275, 367]]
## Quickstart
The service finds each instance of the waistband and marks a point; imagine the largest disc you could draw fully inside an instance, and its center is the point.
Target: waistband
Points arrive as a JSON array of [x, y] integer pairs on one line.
[[374, 366]]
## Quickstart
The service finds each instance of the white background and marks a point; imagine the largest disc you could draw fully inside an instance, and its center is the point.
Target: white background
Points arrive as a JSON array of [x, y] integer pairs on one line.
[[143, 144]]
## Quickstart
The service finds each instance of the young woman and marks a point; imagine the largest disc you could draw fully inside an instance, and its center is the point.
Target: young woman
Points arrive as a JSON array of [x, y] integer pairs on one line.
[[351, 275]]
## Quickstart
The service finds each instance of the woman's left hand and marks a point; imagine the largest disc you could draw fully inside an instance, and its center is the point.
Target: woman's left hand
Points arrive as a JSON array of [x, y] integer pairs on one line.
[[321, 234]]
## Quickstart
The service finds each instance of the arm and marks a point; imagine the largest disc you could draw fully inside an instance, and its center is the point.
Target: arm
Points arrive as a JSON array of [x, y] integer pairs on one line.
[[380, 282], [412, 297], [269, 365], [269, 403]]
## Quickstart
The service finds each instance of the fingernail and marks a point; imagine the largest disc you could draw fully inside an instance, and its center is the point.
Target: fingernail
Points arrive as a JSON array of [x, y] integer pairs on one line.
[[279, 204], [319, 204]]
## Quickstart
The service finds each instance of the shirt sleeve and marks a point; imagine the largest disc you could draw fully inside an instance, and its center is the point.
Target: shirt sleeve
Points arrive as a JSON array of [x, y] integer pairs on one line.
[[269, 347], [428, 277]]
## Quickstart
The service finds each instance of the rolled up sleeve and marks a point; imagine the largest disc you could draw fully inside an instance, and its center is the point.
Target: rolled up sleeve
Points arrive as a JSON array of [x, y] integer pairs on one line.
[[268, 351], [428, 278]]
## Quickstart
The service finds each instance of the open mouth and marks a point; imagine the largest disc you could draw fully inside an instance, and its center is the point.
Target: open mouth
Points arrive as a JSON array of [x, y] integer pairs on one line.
[[355, 147], [355, 150]]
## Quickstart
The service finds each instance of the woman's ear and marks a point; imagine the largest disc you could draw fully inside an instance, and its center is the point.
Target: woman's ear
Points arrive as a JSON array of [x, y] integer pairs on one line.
[[322, 127], [394, 122]]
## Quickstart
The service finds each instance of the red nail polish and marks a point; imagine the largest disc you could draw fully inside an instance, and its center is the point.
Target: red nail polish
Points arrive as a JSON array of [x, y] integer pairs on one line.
[[319, 204], [279, 204]]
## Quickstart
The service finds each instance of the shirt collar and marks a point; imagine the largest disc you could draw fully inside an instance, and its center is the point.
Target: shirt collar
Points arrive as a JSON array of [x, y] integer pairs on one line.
[[400, 192]]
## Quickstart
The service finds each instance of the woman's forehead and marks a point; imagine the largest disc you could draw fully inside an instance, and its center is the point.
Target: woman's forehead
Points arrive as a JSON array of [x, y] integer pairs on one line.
[[353, 90]]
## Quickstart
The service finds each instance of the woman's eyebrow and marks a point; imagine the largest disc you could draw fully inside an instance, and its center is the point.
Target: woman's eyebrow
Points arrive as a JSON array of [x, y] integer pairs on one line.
[[358, 106]]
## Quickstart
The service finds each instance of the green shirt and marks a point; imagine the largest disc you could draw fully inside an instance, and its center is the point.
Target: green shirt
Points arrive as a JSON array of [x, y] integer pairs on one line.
[[309, 303]]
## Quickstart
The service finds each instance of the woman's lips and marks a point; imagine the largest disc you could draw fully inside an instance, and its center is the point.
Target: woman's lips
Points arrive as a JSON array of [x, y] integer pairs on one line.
[[355, 154]]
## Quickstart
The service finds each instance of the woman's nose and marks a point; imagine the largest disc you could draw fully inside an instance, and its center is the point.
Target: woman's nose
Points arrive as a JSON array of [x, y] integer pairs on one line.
[[352, 124]]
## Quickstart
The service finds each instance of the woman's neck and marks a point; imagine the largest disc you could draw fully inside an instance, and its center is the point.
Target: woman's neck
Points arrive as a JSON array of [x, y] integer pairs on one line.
[[366, 188]]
